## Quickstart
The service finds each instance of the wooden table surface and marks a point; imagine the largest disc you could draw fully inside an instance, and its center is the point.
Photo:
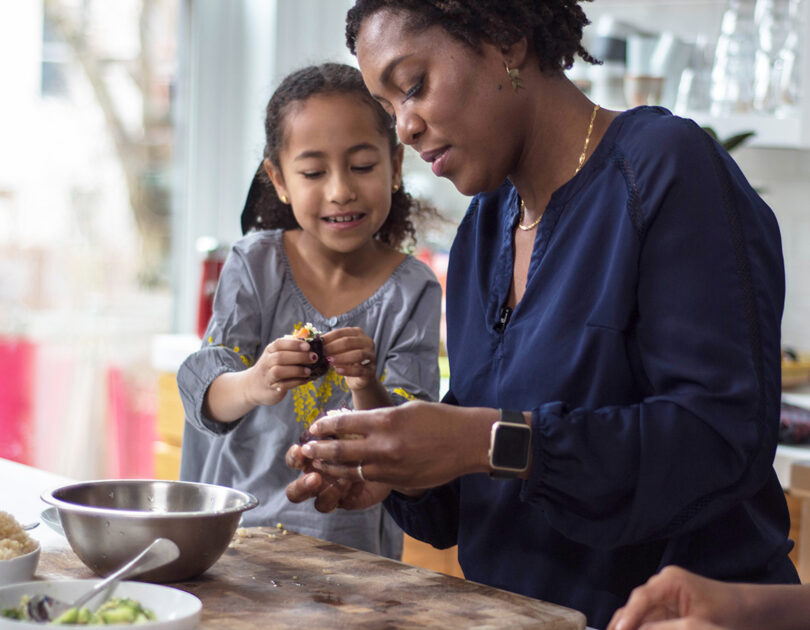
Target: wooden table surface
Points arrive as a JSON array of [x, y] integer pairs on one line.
[[272, 579]]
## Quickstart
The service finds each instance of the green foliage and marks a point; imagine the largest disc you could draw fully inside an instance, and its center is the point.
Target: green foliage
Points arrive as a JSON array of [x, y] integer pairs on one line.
[[732, 142]]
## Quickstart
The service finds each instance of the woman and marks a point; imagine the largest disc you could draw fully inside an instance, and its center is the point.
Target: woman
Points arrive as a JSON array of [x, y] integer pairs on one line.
[[616, 288]]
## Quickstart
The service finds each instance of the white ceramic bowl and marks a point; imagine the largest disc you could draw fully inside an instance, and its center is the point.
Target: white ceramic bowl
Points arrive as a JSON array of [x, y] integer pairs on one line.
[[174, 609], [19, 569]]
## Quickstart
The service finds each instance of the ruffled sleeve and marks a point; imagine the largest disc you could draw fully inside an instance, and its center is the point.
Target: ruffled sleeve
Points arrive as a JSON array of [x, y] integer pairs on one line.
[[231, 342]]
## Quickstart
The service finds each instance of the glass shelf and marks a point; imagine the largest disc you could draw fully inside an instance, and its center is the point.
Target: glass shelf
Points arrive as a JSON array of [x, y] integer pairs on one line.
[[685, 18]]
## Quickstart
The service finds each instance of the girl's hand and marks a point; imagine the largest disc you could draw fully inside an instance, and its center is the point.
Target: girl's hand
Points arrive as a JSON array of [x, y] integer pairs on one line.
[[414, 446], [281, 367], [678, 599], [352, 355]]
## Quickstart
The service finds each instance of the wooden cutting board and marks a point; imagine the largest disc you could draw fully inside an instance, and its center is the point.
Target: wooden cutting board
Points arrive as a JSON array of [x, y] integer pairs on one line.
[[272, 579]]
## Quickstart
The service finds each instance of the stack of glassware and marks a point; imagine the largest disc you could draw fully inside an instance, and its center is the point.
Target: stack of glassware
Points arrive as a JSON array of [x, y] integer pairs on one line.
[[734, 60], [779, 24], [757, 57]]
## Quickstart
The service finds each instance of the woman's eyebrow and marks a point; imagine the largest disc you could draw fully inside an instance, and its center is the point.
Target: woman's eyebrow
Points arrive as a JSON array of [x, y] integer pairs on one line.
[[385, 75]]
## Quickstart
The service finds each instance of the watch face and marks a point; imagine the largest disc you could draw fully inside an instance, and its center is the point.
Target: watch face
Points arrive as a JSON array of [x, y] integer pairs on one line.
[[511, 448]]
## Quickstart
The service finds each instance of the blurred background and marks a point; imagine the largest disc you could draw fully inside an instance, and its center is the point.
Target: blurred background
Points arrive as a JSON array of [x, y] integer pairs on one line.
[[130, 131]]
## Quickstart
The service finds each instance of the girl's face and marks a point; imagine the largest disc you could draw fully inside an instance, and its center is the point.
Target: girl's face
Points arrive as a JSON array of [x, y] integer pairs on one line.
[[451, 104], [337, 171]]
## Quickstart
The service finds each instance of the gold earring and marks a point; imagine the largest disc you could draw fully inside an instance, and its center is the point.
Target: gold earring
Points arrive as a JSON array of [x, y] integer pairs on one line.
[[394, 188], [284, 199], [514, 77]]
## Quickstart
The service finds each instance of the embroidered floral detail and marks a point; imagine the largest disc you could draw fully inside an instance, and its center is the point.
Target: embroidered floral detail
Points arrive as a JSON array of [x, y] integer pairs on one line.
[[398, 390], [406, 395], [310, 399], [247, 360]]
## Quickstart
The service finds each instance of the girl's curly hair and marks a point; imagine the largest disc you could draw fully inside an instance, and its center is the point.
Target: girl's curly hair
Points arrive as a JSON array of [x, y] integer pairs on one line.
[[264, 210], [553, 27]]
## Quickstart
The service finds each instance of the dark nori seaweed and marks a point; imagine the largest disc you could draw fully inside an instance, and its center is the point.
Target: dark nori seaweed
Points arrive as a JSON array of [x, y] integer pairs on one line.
[[321, 366], [306, 436]]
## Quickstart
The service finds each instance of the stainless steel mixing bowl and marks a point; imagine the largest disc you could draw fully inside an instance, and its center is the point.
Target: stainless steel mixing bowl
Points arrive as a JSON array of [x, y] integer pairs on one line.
[[109, 522]]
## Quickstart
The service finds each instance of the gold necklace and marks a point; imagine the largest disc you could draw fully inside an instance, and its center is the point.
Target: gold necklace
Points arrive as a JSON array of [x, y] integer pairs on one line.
[[587, 139], [534, 224]]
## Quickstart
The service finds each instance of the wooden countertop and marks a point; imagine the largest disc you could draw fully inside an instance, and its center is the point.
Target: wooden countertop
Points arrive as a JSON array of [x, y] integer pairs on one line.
[[269, 579]]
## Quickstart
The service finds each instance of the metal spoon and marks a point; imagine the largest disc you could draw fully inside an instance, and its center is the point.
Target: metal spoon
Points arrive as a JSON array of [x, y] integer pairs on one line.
[[43, 608], [28, 526]]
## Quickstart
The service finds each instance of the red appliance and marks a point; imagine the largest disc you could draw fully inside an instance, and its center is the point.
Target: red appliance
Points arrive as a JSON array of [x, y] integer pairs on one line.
[[213, 260]]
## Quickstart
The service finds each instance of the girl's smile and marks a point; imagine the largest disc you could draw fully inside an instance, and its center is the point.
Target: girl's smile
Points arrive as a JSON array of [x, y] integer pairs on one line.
[[344, 221]]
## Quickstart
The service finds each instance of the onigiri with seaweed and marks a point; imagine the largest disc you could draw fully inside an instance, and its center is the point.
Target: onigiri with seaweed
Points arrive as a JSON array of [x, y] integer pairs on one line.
[[307, 436], [307, 332]]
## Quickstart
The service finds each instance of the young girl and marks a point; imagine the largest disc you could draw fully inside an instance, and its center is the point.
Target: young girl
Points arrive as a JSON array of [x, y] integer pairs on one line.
[[322, 248]]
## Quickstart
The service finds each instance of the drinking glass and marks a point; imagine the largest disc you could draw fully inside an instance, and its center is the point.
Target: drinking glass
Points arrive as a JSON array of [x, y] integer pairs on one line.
[[791, 57], [644, 78], [773, 25], [734, 60], [694, 91]]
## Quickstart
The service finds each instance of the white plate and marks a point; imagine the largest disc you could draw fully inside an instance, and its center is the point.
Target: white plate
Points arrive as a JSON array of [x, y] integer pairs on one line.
[[174, 609], [50, 516], [19, 569]]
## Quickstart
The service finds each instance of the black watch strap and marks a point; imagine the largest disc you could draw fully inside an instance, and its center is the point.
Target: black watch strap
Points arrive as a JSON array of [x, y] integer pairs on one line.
[[510, 443], [512, 416]]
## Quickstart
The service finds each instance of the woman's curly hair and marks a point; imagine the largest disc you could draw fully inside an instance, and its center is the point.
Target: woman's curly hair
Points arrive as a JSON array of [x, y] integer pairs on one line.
[[553, 27], [264, 210]]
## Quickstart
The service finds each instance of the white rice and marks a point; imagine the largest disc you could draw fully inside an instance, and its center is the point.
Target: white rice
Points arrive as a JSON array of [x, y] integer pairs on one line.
[[13, 539]]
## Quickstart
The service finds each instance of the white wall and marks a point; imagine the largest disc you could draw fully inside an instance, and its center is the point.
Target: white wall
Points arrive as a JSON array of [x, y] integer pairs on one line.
[[784, 178]]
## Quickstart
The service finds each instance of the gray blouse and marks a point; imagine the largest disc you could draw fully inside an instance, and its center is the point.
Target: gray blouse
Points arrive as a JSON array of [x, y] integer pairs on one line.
[[258, 301]]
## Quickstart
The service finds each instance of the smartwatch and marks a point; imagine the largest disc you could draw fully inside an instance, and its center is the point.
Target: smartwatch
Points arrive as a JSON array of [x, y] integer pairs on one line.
[[509, 443]]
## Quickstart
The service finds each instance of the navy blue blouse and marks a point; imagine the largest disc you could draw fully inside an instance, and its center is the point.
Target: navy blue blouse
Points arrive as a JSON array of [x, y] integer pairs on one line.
[[647, 346]]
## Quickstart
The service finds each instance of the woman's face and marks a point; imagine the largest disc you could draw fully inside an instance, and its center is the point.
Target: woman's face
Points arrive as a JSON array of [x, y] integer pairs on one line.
[[453, 105]]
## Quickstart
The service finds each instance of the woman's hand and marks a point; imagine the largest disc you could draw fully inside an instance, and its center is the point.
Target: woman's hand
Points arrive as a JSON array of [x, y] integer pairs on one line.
[[330, 492], [688, 623], [352, 355], [416, 445], [676, 599]]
